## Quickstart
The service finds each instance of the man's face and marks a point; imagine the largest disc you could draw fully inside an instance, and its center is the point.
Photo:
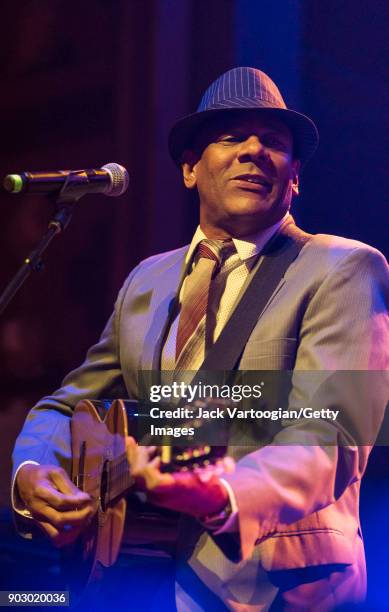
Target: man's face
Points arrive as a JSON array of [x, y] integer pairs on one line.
[[243, 168]]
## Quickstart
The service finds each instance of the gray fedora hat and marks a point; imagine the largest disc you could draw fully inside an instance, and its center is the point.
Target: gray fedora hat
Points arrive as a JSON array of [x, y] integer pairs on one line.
[[242, 89]]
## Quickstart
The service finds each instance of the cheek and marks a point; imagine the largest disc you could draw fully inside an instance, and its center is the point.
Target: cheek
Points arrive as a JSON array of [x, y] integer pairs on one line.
[[209, 181], [287, 193], [286, 175], [283, 189]]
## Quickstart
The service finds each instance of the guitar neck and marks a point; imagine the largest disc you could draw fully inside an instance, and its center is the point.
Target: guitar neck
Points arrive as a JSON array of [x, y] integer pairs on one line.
[[116, 478]]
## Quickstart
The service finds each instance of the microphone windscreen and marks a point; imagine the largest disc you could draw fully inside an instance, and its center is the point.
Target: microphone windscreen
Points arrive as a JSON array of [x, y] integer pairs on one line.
[[120, 179]]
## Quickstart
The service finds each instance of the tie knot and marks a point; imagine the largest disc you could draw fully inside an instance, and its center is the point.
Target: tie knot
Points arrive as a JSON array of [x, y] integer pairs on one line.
[[216, 250]]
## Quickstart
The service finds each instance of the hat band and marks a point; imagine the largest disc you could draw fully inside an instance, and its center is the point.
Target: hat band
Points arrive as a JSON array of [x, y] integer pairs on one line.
[[241, 102]]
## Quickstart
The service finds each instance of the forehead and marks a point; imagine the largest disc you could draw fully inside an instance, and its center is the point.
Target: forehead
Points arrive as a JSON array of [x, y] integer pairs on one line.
[[250, 122]]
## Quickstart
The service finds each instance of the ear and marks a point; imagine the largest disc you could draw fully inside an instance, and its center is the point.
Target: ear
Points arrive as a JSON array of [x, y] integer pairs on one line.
[[295, 177], [188, 166]]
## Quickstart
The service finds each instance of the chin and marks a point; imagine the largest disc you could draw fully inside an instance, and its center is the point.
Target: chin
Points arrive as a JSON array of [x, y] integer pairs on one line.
[[253, 219], [250, 208], [248, 204]]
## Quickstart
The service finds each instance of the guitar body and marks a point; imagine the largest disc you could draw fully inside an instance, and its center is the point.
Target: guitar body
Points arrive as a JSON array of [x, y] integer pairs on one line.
[[96, 441], [100, 468]]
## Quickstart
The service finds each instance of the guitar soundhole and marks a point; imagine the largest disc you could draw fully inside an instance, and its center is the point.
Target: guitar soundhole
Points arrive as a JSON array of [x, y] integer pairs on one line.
[[104, 487]]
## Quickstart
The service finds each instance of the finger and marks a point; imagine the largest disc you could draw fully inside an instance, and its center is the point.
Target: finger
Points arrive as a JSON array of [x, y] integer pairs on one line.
[[151, 472], [49, 495], [131, 448], [67, 537], [143, 454], [156, 462], [48, 529], [130, 442], [228, 465], [139, 460], [60, 538], [63, 483], [147, 473], [152, 479], [60, 519]]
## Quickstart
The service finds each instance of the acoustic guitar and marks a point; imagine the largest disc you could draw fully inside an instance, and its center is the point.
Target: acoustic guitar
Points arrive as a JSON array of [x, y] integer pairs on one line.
[[100, 467]]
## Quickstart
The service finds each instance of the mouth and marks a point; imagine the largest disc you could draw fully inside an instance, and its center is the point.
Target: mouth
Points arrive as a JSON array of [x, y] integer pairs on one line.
[[254, 180]]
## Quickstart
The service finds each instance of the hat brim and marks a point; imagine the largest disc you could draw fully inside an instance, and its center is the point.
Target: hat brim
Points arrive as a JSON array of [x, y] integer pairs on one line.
[[304, 131]]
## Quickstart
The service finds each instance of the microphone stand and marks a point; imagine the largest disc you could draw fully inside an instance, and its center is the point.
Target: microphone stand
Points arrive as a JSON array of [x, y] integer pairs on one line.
[[68, 196]]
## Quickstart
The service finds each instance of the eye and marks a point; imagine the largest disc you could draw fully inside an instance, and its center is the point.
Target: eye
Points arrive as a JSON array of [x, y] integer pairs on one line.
[[275, 142], [230, 138]]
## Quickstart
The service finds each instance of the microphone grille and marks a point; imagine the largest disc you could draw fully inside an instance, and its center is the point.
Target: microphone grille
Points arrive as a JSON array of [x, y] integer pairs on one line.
[[119, 179]]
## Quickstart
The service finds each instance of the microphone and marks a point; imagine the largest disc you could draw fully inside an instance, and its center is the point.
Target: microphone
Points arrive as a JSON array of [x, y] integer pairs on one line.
[[112, 180]]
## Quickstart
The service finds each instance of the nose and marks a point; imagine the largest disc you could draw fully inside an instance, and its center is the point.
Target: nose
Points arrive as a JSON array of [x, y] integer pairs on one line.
[[252, 148]]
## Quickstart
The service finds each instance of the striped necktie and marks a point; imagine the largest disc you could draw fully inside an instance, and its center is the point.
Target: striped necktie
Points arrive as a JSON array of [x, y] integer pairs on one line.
[[191, 324]]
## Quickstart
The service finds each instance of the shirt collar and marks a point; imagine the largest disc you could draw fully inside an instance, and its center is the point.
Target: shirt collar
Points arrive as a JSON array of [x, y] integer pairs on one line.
[[246, 247]]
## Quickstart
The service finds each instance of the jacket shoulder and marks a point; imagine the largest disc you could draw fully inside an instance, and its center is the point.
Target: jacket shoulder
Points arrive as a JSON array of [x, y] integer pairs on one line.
[[334, 249], [166, 258], [155, 265], [341, 243]]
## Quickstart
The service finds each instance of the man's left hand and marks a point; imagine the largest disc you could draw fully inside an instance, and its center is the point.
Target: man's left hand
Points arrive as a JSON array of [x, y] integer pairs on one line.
[[198, 493]]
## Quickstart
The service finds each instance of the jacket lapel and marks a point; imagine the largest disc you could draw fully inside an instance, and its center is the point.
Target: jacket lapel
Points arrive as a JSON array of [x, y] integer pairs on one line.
[[162, 307]]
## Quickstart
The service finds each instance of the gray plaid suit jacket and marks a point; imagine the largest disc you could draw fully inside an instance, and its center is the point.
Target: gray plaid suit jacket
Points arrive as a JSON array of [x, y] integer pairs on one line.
[[298, 503]]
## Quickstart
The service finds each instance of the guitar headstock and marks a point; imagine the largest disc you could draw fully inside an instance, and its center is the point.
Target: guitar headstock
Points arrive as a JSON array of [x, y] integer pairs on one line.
[[196, 454], [183, 458]]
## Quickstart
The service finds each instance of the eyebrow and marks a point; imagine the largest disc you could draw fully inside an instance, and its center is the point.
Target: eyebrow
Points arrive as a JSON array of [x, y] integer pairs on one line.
[[242, 130]]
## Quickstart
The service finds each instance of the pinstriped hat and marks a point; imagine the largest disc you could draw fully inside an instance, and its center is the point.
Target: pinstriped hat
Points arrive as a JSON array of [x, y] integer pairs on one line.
[[242, 89]]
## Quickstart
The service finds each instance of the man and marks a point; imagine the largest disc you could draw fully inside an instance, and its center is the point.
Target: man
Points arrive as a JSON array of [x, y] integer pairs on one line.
[[281, 529]]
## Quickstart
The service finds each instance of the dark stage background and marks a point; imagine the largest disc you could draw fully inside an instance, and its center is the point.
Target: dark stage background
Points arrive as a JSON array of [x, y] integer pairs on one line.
[[97, 81]]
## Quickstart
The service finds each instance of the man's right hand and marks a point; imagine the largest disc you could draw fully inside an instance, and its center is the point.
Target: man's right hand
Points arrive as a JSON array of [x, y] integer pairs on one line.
[[61, 510]]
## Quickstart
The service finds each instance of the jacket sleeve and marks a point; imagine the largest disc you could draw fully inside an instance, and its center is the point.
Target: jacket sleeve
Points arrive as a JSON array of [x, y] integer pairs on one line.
[[343, 361], [45, 436]]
